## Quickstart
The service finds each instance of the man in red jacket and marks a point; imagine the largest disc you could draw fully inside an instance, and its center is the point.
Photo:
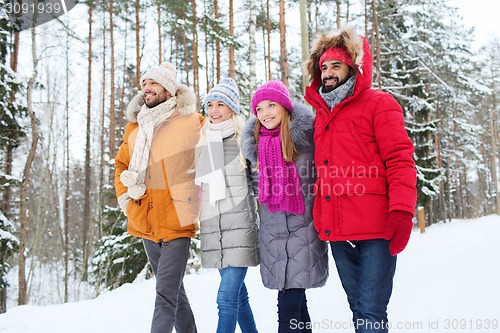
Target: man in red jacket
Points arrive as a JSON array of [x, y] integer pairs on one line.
[[366, 187]]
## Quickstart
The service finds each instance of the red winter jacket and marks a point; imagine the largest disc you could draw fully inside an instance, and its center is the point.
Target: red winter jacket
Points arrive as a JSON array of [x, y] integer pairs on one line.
[[363, 154]]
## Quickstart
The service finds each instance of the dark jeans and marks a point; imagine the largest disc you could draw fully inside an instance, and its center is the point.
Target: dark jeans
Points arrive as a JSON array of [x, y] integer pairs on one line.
[[172, 308], [293, 316], [366, 270]]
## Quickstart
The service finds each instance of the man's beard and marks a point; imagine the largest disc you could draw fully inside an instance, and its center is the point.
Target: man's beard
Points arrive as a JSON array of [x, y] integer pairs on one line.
[[154, 102], [327, 89]]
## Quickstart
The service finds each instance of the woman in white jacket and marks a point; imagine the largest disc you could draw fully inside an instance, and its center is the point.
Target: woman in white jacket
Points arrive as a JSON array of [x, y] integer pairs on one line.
[[228, 217]]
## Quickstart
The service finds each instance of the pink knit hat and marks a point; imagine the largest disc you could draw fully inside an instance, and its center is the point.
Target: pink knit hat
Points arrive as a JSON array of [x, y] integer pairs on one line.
[[275, 91], [338, 53]]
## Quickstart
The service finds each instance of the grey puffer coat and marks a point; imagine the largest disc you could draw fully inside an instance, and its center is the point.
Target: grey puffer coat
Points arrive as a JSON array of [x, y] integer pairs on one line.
[[229, 230], [291, 254]]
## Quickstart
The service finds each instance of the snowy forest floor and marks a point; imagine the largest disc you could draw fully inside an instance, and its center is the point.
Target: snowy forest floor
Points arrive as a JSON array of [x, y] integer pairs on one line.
[[447, 280]]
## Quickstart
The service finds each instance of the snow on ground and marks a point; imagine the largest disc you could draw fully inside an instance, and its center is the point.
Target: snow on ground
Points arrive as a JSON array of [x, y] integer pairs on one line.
[[447, 280]]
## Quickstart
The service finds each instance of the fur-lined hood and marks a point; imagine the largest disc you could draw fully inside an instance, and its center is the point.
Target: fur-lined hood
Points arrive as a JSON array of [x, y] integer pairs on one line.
[[356, 45], [186, 103], [301, 127]]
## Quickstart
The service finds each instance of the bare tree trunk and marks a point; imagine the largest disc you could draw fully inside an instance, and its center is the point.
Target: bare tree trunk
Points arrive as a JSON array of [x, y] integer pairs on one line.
[[102, 149], [122, 97], [86, 205], [207, 65], [430, 212], [196, 84], [232, 71], [337, 5], [304, 32], [185, 48], [347, 12], [6, 194], [264, 43], [112, 113], [283, 56], [23, 230], [366, 5], [137, 45], [442, 203], [160, 48], [494, 168], [7, 169], [459, 193], [268, 28], [15, 52], [217, 42], [3, 291], [252, 46], [103, 131], [67, 189], [377, 43], [451, 200], [463, 194], [316, 15], [207, 72]]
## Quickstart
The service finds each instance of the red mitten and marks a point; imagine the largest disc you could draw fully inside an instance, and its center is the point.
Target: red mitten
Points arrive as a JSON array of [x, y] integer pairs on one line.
[[398, 230]]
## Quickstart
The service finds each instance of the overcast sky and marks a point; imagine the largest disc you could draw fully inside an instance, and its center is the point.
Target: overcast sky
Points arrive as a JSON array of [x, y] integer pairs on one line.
[[484, 15]]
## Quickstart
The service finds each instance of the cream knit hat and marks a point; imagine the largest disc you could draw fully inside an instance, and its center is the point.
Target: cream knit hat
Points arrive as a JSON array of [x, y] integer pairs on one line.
[[164, 74]]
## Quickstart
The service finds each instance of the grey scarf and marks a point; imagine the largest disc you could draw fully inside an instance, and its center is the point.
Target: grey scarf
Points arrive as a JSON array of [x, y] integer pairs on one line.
[[338, 94]]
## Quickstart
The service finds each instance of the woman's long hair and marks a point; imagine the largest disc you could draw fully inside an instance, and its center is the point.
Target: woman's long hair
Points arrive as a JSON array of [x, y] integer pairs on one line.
[[290, 153]]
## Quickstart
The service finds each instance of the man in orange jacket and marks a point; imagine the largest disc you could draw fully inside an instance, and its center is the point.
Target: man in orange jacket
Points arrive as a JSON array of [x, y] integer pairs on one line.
[[156, 190]]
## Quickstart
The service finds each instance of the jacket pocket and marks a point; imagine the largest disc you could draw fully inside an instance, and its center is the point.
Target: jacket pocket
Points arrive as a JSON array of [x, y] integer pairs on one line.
[[360, 143], [187, 207], [137, 214], [364, 207]]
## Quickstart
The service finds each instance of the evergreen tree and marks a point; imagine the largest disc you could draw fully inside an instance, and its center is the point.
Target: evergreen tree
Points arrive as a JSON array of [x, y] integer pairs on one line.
[[119, 257], [422, 62], [11, 132], [8, 246], [11, 111]]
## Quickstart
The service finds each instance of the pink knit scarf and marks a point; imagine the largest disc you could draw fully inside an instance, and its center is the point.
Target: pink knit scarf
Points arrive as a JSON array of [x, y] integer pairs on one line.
[[279, 182]]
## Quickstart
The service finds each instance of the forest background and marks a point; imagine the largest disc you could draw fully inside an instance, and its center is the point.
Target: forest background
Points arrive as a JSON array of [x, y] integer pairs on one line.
[[64, 87]]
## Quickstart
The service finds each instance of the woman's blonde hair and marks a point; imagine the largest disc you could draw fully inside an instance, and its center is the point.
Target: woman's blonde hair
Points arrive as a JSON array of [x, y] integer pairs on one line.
[[239, 124], [290, 153]]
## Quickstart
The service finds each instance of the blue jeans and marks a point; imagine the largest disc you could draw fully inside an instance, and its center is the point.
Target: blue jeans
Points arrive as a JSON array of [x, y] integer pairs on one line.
[[366, 270], [293, 316], [232, 301]]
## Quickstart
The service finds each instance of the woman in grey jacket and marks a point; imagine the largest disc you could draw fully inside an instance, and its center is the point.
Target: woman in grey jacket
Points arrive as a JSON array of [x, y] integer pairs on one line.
[[292, 257], [228, 217]]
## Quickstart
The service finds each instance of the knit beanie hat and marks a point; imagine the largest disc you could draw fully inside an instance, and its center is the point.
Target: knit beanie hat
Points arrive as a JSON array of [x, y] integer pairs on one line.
[[164, 74], [337, 53], [275, 91], [225, 91]]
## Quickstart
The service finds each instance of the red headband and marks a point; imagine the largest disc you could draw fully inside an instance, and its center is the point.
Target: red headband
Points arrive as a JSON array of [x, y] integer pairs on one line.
[[338, 53]]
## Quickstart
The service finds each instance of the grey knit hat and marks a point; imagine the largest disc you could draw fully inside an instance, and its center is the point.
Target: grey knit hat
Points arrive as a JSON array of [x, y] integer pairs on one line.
[[225, 91], [164, 74]]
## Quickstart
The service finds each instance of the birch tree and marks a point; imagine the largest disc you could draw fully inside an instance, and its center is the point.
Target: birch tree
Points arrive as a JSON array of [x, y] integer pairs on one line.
[[252, 47], [86, 205], [23, 211], [283, 55]]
